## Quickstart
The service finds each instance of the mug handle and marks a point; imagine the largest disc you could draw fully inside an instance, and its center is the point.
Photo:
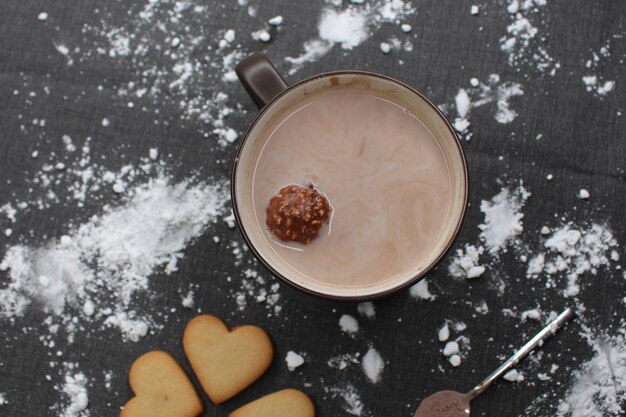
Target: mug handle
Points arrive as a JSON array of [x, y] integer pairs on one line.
[[260, 78]]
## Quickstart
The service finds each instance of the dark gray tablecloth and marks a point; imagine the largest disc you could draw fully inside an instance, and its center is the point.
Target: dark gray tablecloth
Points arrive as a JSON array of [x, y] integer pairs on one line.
[[582, 145]]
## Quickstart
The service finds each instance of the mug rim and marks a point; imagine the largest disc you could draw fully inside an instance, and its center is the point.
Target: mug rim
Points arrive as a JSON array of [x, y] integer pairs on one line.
[[410, 282]]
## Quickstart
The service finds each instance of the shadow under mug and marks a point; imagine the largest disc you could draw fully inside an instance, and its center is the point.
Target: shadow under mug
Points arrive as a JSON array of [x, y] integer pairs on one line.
[[274, 98]]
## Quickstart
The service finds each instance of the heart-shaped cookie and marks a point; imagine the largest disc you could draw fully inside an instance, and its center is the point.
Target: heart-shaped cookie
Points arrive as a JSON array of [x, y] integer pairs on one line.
[[226, 362], [285, 403], [161, 389]]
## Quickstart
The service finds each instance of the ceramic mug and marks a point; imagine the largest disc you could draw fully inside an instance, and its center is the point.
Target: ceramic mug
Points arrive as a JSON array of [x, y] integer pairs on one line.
[[274, 98]]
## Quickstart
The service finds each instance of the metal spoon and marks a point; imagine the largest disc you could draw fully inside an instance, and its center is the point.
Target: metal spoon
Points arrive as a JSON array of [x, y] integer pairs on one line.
[[455, 404]]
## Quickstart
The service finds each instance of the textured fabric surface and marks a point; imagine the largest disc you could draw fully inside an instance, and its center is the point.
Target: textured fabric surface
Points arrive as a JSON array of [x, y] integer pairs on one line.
[[581, 143]]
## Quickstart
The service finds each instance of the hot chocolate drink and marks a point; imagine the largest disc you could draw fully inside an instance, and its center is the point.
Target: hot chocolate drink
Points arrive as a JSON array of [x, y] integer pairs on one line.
[[383, 173]]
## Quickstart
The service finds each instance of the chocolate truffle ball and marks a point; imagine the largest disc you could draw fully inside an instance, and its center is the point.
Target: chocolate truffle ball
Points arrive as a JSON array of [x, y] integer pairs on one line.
[[297, 213]]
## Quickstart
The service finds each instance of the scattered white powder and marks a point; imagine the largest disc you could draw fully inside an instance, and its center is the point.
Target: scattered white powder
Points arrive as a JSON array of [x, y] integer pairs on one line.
[[523, 44], [254, 287], [481, 94], [451, 348], [172, 62], [367, 309], [348, 324], [373, 365], [513, 376], [536, 264], [352, 400], [503, 218], [444, 333], [420, 291], [349, 28], [599, 387], [293, 360], [573, 251], [466, 260], [75, 390], [342, 361], [596, 83], [109, 259]]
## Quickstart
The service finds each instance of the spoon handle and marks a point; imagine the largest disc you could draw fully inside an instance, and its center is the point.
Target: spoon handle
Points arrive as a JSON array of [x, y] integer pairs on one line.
[[544, 334]]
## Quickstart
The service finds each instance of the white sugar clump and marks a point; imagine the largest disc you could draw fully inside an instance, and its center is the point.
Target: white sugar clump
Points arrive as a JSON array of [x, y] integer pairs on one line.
[[444, 333], [348, 324], [276, 21], [188, 301], [574, 251], [465, 263], [605, 88], [513, 376], [106, 122], [373, 365], [261, 35], [583, 194], [533, 314], [420, 291], [493, 91], [42, 16], [75, 389], [461, 125], [153, 153], [229, 36], [406, 28], [347, 28], [503, 218], [463, 103], [474, 10], [293, 360], [385, 48], [367, 309], [88, 308], [455, 360], [451, 348], [536, 264], [3, 400]]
